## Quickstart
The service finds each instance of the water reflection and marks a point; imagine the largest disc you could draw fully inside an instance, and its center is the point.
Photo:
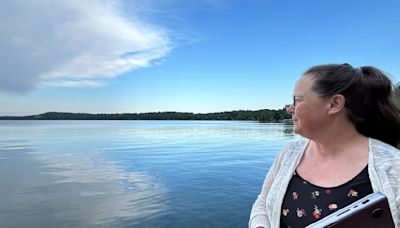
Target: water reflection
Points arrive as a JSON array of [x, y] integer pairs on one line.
[[288, 130], [134, 173], [199, 129], [74, 191]]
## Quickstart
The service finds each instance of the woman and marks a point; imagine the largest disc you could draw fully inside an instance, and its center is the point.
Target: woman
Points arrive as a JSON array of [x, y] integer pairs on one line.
[[351, 129]]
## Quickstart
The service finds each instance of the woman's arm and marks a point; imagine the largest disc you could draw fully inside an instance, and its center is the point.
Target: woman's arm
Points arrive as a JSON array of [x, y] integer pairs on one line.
[[258, 215]]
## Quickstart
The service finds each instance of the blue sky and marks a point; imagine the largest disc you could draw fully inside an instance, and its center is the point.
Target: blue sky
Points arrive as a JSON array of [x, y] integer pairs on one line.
[[99, 56]]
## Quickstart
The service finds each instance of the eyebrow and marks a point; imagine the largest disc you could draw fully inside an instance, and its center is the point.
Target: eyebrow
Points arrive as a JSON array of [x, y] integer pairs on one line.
[[302, 95]]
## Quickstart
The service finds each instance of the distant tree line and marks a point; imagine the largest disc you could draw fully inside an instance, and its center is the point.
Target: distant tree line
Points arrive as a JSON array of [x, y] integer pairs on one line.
[[264, 115]]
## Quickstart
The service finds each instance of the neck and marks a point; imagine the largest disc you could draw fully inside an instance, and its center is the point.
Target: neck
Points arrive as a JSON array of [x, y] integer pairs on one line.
[[337, 139]]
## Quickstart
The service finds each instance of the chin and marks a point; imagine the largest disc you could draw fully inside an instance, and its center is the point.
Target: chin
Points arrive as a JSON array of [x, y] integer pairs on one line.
[[297, 130], [301, 133]]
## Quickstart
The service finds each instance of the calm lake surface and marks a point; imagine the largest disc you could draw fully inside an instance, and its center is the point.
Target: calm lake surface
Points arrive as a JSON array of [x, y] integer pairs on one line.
[[134, 173]]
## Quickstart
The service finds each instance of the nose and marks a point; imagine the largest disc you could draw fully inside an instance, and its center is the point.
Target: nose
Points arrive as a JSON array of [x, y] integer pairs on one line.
[[290, 109]]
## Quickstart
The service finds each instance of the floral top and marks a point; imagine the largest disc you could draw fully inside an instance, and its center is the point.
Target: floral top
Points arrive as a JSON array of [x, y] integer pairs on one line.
[[383, 171], [305, 203]]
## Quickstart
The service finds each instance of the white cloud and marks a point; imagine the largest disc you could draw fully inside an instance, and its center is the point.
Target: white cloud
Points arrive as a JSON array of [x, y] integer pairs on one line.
[[73, 43], [72, 83]]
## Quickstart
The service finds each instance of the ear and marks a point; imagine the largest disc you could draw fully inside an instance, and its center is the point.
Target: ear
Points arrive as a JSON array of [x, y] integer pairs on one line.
[[336, 104]]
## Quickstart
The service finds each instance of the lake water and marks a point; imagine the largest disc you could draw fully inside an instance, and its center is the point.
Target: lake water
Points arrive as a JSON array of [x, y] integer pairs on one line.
[[134, 173]]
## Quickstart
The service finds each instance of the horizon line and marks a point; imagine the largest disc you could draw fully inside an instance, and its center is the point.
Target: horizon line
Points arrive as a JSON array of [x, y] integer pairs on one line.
[[248, 110]]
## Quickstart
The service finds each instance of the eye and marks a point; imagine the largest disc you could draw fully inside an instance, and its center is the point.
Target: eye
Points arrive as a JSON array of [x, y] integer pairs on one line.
[[296, 100]]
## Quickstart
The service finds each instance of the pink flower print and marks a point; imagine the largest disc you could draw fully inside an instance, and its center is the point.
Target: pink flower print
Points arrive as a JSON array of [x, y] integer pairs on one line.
[[285, 212], [328, 191], [352, 193], [332, 206], [295, 196], [314, 195], [317, 212], [300, 212]]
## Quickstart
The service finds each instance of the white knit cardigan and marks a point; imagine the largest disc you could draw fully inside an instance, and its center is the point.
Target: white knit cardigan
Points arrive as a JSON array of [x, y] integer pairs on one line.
[[383, 171]]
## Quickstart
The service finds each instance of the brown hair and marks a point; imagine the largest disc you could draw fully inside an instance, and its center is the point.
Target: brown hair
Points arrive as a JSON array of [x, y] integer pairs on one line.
[[369, 98]]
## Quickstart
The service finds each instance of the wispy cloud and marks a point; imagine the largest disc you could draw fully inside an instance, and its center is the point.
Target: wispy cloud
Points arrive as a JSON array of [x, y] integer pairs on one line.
[[73, 43], [72, 84]]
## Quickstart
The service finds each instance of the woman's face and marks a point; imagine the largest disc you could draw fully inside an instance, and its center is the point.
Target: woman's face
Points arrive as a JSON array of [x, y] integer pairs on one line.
[[309, 111]]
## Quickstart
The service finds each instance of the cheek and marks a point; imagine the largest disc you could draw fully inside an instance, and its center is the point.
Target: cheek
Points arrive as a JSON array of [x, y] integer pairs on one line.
[[300, 111]]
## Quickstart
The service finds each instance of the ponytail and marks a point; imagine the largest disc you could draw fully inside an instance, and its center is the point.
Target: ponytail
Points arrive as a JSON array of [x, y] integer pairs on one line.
[[369, 95]]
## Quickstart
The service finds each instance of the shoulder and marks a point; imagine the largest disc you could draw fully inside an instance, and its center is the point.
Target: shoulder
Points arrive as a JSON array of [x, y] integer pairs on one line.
[[385, 159], [293, 149], [384, 151], [297, 145]]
